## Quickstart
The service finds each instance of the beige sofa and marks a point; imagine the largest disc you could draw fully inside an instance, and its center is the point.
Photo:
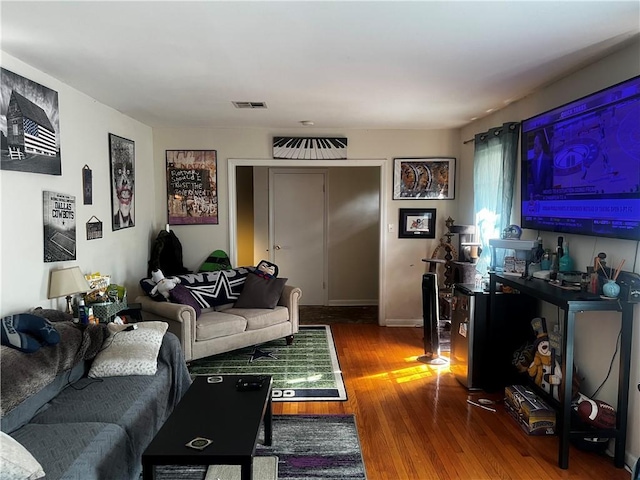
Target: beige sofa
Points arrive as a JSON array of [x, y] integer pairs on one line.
[[224, 328]]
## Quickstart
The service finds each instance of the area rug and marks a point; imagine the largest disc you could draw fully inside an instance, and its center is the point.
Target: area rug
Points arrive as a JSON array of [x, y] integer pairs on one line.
[[310, 447], [307, 370], [264, 468]]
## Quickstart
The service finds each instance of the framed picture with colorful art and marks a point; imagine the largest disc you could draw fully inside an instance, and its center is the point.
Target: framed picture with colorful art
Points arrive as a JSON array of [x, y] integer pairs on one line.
[[192, 188], [424, 178], [417, 223]]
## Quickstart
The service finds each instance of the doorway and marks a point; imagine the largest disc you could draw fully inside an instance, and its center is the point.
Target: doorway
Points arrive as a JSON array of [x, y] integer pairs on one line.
[[383, 196]]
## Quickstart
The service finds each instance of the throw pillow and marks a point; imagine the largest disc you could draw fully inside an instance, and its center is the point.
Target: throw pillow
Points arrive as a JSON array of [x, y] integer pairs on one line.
[[27, 332], [181, 294], [260, 292], [129, 352], [267, 269], [16, 463]]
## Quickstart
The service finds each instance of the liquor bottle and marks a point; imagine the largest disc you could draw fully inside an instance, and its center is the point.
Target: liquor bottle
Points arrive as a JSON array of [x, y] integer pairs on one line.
[[565, 263]]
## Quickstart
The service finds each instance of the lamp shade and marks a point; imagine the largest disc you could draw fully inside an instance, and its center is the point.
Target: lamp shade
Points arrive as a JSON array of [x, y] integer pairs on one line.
[[67, 281]]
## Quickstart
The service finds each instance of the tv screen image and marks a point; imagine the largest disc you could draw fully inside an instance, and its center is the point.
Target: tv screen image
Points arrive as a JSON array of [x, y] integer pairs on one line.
[[581, 165]]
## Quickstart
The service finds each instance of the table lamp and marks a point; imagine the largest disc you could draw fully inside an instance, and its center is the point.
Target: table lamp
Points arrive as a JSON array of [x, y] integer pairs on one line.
[[66, 282]]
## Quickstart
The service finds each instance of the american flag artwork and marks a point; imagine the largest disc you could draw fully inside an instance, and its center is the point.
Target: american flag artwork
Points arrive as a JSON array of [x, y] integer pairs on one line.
[[30, 118], [38, 139]]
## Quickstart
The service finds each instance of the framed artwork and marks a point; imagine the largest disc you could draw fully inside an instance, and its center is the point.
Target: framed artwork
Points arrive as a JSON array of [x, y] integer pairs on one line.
[[87, 185], [310, 148], [94, 228], [417, 223], [122, 156], [424, 178], [29, 123], [192, 190], [59, 221]]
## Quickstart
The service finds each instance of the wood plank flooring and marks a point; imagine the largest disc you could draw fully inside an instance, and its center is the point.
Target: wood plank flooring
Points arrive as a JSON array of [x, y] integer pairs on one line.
[[415, 424]]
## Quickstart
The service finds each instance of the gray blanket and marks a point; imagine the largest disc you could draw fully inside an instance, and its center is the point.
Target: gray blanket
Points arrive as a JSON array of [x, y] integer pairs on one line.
[[24, 374]]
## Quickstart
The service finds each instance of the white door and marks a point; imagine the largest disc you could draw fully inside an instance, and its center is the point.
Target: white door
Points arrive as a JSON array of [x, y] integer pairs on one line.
[[297, 230]]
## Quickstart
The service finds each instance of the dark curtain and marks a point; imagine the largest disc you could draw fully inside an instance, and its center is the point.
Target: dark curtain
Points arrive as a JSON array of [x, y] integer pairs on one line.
[[494, 175]]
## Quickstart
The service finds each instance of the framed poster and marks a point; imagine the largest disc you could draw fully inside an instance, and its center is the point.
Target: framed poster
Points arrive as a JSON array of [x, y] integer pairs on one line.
[[192, 190], [417, 223], [29, 122], [122, 158], [59, 220], [424, 178]]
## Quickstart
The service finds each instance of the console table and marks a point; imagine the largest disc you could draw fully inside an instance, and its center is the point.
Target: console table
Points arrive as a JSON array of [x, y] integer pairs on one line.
[[574, 302]]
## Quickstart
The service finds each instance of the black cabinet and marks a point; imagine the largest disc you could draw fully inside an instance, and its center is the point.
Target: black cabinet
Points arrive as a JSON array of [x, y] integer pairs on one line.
[[573, 303], [482, 350]]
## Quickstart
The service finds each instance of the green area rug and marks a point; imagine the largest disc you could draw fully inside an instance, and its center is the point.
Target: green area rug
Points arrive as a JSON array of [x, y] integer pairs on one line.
[[310, 447], [307, 370]]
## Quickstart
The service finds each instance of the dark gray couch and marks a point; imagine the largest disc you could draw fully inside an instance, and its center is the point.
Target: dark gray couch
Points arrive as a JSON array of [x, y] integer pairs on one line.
[[84, 428]]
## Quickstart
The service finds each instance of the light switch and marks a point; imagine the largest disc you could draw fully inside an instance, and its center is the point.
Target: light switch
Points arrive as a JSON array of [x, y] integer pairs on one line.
[[392, 228]]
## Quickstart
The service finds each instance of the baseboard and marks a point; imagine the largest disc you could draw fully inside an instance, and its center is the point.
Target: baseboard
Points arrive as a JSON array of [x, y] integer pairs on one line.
[[403, 322], [352, 303]]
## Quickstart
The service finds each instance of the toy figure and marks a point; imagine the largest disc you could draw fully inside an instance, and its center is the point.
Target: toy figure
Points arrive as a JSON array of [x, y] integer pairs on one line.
[[545, 370], [163, 285]]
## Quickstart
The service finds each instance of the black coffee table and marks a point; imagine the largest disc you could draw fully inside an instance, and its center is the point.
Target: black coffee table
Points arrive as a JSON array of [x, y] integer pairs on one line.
[[218, 412]]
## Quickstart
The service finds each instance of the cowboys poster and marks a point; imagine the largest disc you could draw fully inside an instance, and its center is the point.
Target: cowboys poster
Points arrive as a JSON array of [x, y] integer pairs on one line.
[[59, 218]]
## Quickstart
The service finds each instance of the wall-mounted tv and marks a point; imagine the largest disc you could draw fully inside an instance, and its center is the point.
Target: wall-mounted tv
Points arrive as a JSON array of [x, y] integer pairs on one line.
[[581, 165]]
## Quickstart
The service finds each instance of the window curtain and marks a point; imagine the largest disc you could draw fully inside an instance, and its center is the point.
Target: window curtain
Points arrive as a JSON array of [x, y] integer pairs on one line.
[[494, 173]]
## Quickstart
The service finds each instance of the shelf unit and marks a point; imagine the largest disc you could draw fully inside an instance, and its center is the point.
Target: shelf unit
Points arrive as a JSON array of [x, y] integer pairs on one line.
[[572, 303]]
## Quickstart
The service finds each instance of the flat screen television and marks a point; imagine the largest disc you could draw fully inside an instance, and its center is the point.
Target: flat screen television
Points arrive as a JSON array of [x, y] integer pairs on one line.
[[581, 165]]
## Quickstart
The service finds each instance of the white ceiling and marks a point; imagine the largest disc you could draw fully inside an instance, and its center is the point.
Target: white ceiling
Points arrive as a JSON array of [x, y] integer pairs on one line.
[[371, 65]]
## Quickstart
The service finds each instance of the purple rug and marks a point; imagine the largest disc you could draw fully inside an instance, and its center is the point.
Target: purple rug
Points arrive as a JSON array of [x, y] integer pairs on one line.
[[316, 447], [309, 447]]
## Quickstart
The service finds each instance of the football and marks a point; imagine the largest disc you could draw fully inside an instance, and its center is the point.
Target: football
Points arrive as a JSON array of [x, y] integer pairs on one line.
[[596, 413]]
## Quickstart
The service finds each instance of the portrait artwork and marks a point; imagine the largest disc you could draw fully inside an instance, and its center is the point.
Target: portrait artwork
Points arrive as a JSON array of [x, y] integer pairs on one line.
[[122, 158]]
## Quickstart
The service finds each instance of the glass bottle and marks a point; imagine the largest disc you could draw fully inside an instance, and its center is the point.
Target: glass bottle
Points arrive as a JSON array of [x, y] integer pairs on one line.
[[565, 264]]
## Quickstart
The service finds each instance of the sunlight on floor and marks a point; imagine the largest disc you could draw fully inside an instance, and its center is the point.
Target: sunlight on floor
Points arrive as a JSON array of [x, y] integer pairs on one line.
[[312, 378], [416, 372]]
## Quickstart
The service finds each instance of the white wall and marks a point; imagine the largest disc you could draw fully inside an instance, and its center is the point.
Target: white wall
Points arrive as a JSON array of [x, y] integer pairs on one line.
[[402, 302], [84, 128], [596, 333]]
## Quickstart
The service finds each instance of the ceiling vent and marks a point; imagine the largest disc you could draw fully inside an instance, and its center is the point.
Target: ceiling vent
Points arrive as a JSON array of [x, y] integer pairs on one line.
[[250, 104]]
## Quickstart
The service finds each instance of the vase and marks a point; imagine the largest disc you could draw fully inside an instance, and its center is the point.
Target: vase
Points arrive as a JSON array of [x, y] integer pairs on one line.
[[611, 289]]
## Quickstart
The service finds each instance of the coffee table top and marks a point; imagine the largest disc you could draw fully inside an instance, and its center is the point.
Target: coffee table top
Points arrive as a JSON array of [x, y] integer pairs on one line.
[[217, 411]]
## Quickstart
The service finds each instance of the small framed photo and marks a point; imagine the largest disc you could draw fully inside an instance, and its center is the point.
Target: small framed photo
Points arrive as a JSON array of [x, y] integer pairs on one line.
[[417, 223], [424, 178]]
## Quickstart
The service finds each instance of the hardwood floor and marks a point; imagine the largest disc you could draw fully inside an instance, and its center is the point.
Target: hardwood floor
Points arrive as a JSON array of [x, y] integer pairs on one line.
[[415, 424]]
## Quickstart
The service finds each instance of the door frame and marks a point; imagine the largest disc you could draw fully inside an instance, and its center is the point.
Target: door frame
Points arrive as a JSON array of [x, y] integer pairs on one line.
[[325, 249], [385, 194]]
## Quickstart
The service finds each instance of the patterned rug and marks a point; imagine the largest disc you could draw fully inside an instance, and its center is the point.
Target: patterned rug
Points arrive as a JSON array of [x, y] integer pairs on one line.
[[307, 370], [310, 447]]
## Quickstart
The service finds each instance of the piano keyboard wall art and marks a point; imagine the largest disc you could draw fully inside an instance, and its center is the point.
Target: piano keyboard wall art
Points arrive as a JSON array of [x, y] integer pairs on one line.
[[310, 148]]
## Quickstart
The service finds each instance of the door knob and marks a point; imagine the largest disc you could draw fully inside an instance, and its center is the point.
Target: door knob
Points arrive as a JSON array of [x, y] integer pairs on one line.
[[277, 247]]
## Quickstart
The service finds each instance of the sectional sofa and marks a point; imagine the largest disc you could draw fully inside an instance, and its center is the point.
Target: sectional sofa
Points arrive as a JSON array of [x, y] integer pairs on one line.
[[77, 427]]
